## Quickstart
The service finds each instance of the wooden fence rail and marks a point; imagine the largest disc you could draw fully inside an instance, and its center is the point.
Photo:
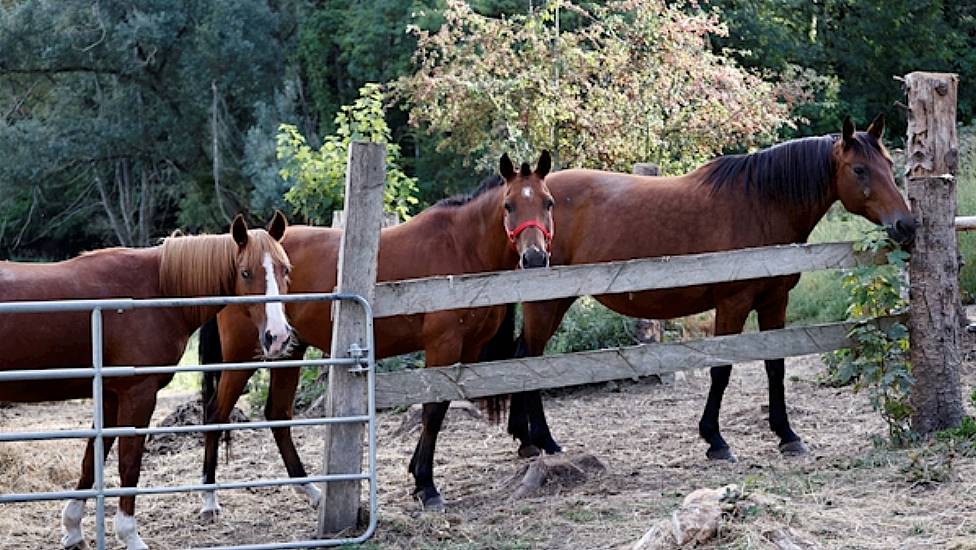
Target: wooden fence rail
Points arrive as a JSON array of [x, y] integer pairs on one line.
[[505, 287], [572, 369]]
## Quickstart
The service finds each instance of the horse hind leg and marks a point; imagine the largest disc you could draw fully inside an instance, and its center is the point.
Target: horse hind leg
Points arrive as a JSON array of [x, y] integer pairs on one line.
[[231, 387], [730, 317], [74, 511], [773, 316]]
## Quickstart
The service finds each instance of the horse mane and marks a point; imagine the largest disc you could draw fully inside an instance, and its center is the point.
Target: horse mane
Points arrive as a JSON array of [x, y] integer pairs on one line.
[[487, 184], [798, 171], [206, 265], [200, 265]]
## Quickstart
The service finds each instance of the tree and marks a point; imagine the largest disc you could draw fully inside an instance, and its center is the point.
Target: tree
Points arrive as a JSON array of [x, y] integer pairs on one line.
[[110, 113], [863, 44], [633, 81], [317, 178]]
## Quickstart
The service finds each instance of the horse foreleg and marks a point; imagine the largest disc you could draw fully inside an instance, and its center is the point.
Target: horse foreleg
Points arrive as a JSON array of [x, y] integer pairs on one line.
[[527, 418], [135, 408], [772, 316], [74, 510], [281, 406], [231, 387], [730, 317], [422, 463]]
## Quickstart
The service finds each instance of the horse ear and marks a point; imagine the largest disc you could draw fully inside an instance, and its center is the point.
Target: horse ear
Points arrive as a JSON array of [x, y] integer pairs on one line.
[[238, 228], [876, 128], [544, 165], [506, 168], [277, 226], [848, 131]]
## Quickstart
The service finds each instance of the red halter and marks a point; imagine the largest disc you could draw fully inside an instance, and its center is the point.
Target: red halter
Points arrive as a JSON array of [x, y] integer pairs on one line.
[[513, 234]]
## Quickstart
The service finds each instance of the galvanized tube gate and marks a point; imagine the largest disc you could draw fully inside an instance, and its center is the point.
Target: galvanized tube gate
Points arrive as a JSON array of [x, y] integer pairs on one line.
[[360, 361]]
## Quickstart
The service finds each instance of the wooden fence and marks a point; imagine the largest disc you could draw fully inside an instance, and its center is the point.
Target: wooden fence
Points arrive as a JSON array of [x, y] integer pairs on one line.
[[500, 377]]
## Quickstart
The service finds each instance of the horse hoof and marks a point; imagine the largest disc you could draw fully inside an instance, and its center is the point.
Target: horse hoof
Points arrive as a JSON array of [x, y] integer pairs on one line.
[[722, 453], [77, 546], [793, 448], [528, 450], [434, 504], [553, 448], [210, 516]]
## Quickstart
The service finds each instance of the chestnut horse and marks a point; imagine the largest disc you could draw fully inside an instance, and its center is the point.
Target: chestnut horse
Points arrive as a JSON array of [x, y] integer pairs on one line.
[[243, 263], [774, 196], [507, 223]]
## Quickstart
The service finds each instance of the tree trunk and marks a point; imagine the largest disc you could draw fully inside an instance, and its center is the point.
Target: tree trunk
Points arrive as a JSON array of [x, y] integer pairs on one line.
[[932, 157]]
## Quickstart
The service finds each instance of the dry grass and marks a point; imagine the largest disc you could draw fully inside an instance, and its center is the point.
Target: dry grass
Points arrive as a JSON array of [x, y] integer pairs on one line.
[[848, 493]]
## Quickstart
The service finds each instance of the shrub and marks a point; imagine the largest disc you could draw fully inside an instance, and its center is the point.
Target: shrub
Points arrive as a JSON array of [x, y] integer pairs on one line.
[[878, 357]]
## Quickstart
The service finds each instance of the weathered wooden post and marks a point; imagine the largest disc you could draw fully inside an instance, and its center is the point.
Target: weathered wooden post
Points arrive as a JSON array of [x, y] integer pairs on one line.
[[365, 176], [931, 164]]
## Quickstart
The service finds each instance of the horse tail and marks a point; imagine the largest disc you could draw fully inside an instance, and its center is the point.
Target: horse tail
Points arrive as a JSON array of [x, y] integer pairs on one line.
[[501, 346], [210, 352]]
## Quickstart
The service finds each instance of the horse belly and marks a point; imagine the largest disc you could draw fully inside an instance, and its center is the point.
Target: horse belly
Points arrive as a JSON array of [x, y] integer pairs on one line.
[[661, 304], [399, 335]]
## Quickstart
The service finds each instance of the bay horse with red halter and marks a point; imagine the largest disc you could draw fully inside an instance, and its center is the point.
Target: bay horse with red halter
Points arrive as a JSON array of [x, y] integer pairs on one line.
[[506, 224], [246, 262], [774, 196]]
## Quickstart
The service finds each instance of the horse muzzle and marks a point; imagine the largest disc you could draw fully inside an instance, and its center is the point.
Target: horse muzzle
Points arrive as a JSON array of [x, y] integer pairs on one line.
[[276, 344], [534, 257], [903, 231]]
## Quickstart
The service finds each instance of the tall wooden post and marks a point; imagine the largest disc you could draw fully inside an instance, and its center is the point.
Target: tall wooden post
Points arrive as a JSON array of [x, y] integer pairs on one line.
[[365, 174], [932, 159]]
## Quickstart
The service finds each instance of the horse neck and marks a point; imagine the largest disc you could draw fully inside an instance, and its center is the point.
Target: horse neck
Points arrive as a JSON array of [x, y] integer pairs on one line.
[[203, 265], [802, 219], [478, 228]]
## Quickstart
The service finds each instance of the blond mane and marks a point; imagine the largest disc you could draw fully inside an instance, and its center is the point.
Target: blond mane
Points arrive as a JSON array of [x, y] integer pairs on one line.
[[206, 265]]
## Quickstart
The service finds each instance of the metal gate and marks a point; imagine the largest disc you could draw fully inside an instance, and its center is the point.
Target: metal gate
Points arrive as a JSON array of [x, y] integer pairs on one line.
[[360, 360]]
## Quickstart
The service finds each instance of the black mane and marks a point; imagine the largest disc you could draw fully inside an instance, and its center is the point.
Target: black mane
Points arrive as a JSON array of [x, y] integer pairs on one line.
[[796, 172], [486, 185]]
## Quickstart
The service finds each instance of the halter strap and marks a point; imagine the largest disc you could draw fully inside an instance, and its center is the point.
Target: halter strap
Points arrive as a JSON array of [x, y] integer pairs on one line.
[[513, 234]]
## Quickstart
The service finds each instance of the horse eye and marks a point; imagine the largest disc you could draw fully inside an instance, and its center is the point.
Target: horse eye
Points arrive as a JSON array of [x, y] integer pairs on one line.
[[859, 170], [287, 271], [549, 204], [508, 207], [245, 274]]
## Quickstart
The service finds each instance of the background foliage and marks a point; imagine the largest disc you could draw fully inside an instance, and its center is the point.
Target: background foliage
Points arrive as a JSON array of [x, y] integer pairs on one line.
[[120, 122]]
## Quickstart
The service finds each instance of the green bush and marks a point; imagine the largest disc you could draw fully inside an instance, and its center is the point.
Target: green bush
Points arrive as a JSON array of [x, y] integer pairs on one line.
[[588, 325], [878, 358]]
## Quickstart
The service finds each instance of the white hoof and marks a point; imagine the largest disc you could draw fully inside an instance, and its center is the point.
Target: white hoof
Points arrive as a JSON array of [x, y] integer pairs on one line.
[[312, 492], [211, 508], [71, 516], [127, 532]]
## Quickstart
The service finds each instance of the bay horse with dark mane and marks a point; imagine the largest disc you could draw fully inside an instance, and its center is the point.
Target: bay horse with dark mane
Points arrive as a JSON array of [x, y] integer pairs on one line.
[[247, 262], [774, 196], [506, 224]]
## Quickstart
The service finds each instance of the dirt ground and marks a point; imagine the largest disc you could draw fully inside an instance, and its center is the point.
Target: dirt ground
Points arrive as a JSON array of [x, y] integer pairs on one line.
[[849, 493]]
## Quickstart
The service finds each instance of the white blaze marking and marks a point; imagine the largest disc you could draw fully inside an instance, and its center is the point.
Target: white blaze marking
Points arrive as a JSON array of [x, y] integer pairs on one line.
[[527, 192], [127, 532], [274, 311], [71, 523], [313, 493]]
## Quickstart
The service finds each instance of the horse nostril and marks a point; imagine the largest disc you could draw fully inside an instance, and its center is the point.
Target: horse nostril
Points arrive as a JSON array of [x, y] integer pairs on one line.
[[268, 339]]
